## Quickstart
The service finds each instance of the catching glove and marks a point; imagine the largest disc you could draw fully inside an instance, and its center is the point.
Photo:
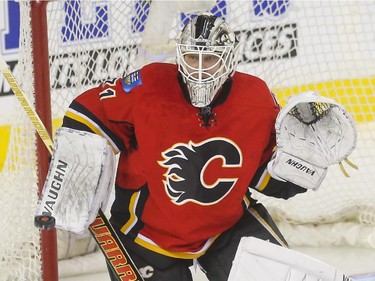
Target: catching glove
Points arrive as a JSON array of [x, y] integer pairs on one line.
[[312, 133]]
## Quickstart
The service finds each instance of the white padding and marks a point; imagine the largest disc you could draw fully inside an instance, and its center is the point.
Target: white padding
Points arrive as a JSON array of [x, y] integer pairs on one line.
[[79, 180], [312, 133], [328, 141], [257, 260], [285, 166]]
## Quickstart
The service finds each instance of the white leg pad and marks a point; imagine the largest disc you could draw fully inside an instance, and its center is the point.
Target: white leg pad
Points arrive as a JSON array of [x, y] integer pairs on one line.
[[261, 260]]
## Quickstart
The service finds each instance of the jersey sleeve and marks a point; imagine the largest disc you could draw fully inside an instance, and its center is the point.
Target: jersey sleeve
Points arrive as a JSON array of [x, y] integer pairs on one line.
[[262, 181], [105, 110]]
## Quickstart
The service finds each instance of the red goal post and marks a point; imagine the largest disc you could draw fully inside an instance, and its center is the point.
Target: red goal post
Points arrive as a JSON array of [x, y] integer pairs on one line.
[[295, 46]]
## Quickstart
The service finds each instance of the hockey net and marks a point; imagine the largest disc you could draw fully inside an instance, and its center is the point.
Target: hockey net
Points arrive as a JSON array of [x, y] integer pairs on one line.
[[295, 46]]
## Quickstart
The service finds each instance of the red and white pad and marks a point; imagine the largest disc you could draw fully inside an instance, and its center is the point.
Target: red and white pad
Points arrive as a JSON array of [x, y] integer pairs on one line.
[[79, 180], [261, 260]]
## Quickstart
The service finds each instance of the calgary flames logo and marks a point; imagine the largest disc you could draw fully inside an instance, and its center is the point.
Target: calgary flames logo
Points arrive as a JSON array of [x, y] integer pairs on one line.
[[188, 167]]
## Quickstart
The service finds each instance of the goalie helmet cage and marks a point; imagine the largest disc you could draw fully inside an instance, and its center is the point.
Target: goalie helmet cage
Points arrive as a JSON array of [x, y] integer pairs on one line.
[[294, 46]]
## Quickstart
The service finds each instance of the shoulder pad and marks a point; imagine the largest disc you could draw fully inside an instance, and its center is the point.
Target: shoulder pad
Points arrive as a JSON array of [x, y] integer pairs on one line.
[[131, 80]]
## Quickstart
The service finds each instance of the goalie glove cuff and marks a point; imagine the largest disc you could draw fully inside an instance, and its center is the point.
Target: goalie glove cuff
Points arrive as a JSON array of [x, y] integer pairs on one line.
[[286, 167]]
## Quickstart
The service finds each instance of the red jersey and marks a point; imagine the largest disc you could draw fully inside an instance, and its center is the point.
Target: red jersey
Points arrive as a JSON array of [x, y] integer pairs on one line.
[[183, 182]]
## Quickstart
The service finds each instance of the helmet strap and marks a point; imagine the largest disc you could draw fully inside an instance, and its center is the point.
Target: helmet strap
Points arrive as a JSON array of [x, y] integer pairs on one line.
[[207, 116]]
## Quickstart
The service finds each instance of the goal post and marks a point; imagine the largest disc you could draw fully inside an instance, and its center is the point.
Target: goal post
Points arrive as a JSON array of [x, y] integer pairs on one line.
[[67, 46], [40, 61]]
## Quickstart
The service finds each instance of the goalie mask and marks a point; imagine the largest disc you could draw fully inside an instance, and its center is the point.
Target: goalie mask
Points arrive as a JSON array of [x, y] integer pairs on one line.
[[206, 57]]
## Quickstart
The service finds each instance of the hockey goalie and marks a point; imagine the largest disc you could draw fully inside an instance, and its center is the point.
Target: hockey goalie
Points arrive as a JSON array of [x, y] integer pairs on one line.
[[194, 139]]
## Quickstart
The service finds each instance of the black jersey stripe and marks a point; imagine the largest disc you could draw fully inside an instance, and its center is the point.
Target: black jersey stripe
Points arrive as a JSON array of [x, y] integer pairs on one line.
[[91, 122]]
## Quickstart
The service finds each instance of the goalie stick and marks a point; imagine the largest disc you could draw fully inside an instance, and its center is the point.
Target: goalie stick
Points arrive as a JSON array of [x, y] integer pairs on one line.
[[102, 231]]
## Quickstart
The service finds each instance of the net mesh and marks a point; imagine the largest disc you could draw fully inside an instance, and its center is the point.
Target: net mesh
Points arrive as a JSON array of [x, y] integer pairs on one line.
[[20, 241], [295, 46]]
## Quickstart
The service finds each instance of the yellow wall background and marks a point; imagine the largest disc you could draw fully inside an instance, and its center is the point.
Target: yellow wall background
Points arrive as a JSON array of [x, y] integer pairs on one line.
[[4, 136]]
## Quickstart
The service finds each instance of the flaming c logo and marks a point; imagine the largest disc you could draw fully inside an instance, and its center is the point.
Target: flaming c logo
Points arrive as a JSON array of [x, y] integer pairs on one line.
[[186, 167]]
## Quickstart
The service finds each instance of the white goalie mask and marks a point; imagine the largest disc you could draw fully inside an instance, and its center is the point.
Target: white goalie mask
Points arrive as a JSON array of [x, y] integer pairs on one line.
[[206, 57]]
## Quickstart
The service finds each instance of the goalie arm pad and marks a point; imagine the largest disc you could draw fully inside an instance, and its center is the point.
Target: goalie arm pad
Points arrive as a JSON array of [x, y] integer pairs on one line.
[[79, 180], [257, 259], [312, 133]]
